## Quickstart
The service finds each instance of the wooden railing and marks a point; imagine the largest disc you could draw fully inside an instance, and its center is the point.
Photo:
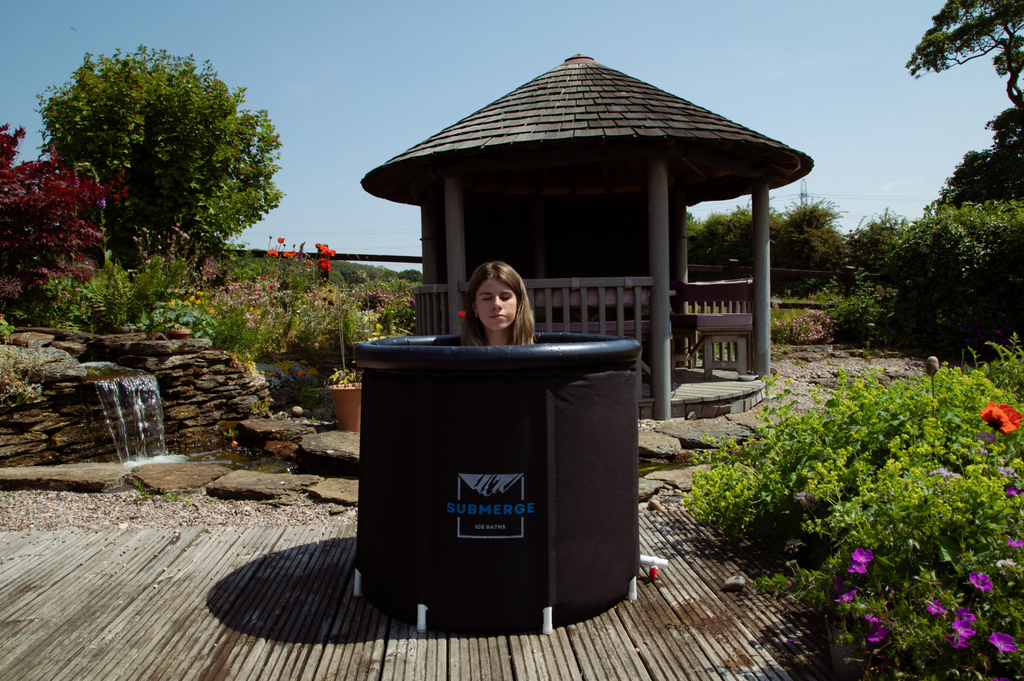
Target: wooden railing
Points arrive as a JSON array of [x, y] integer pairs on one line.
[[604, 305]]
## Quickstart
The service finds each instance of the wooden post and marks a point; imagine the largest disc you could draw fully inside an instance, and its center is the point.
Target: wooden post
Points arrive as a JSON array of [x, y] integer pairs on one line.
[[455, 238], [428, 237], [734, 268], [540, 241], [849, 279], [680, 243], [661, 327], [760, 306]]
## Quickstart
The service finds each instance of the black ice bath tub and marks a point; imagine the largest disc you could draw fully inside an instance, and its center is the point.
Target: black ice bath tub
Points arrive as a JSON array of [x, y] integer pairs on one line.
[[497, 485]]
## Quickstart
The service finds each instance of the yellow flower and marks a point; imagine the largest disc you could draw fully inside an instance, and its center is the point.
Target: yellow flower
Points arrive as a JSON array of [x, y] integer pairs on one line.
[[173, 303], [199, 293], [192, 299], [210, 310]]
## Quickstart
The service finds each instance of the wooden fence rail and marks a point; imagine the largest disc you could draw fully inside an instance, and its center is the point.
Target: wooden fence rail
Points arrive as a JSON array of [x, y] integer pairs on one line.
[[734, 270]]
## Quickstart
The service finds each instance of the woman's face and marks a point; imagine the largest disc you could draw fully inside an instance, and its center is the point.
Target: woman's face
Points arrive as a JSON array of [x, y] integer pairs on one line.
[[495, 305]]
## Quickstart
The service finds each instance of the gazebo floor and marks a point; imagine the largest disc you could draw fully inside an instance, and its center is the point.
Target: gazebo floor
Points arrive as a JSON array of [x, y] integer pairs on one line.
[[692, 393], [276, 603]]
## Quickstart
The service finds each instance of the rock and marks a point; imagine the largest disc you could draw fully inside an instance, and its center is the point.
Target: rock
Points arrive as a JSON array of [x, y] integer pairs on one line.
[[680, 478], [691, 433], [30, 339], [280, 449], [751, 421], [648, 488], [73, 348], [297, 412], [658, 446], [254, 433], [177, 476], [260, 486], [83, 477], [655, 505], [734, 583], [334, 452], [337, 491]]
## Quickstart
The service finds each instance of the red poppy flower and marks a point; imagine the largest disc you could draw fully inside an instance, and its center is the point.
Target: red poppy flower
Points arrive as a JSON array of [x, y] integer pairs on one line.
[[462, 313], [1001, 417], [280, 239], [324, 264], [271, 254], [288, 254]]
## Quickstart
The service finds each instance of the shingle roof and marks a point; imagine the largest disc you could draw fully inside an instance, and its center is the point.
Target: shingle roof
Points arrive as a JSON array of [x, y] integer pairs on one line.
[[583, 113]]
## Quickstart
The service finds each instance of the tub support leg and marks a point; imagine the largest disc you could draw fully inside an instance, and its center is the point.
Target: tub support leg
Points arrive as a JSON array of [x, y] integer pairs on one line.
[[357, 585], [547, 629], [421, 618], [632, 589]]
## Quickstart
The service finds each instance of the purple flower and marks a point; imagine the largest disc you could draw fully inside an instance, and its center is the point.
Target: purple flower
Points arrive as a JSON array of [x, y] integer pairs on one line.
[[981, 581], [1002, 642], [935, 608], [101, 202], [872, 618], [877, 633], [1015, 543], [1012, 491], [944, 473], [859, 561], [847, 597], [1006, 471], [805, 498], [986, 436], [963, 628], [957, 642], [965, 615]]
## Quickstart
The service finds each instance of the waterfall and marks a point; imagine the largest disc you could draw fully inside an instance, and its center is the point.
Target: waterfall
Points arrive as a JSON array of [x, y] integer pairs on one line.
[[134, 411]]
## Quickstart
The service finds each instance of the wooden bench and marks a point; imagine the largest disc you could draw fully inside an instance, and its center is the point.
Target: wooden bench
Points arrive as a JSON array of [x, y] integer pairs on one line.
[[720, 312], [603, 305]]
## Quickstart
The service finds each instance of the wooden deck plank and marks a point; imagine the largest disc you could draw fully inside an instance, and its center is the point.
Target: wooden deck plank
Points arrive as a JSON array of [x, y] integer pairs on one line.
[[415, 656], [604, 651], [538, 658], [791, 634], [80, 610], [479, 658], [717, 624], [142, 635]]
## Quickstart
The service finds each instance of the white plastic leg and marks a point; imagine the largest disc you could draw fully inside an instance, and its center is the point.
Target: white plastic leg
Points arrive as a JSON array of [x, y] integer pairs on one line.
[[547, 630], [632, 589], [357, 585], [421, 618]]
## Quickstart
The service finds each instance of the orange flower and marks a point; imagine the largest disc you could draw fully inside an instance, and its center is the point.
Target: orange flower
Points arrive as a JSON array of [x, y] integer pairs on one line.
[[1001, 417], [325, 264], [280, 239], [271, 254], [288, 254]]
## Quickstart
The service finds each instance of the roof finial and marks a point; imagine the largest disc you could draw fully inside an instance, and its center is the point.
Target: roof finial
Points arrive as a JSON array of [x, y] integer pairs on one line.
[[577, 58]]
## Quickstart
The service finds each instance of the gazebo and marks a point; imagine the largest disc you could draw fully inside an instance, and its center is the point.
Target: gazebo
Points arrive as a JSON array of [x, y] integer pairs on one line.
[[581, 178]]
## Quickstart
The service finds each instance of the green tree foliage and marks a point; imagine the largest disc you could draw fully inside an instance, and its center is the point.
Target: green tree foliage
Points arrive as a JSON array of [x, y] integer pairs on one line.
[[870, 244], [995, 174], [964, 30], [721, 236], [959, 276], [807, 237], [176, 137]]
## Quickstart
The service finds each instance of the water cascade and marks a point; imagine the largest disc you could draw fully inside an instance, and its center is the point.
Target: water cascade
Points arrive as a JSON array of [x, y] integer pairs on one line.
[[133, 408]]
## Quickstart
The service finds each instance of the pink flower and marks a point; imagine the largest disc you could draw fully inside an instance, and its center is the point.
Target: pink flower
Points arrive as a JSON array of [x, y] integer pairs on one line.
[[1002, 642], [877, 633], [935, 608], [981, 581], [859, 561], [1012, 491], [872, 618], [847, 597], [1015, 543]]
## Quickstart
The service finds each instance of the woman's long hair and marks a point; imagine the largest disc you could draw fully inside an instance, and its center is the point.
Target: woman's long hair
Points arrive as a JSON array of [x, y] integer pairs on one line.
[[521, 331]]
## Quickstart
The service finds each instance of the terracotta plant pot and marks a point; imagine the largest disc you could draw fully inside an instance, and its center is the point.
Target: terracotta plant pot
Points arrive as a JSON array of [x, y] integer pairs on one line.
[[348, 401], [178, 334]]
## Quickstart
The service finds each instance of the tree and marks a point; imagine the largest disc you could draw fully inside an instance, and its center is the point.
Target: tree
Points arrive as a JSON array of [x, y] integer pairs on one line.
[[995, 174], [869, 245], [45, 211], [806, 237], [964, 30], [176, 135]]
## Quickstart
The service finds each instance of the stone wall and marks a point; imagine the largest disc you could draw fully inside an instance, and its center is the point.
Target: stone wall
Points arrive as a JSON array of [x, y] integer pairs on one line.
[[204, 391]]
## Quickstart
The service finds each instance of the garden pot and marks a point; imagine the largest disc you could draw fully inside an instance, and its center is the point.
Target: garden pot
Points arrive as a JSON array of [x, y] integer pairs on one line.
[[348, 401], [178, 334], [845, 669]]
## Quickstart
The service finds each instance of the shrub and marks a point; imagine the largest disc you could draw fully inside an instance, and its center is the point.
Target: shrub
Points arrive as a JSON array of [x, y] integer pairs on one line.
[[17, 369], [903, 511], [808, 327], [868, 317]]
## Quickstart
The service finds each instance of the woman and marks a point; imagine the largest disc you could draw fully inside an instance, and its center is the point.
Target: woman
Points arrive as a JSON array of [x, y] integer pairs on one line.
[[499, 311]]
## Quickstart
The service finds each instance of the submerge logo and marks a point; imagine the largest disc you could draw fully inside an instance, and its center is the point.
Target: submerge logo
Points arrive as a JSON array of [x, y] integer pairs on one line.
[[491, 506]]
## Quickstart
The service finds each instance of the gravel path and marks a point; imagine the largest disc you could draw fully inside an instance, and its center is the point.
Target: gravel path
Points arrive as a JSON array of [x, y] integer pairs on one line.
[[33, 510]]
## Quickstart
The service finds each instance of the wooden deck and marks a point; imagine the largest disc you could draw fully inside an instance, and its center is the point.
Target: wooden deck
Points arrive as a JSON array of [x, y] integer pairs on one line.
[[692, 393], [276, 603]]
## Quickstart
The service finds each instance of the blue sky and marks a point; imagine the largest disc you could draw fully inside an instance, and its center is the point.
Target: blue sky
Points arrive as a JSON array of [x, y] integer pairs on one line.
[[350, 85]]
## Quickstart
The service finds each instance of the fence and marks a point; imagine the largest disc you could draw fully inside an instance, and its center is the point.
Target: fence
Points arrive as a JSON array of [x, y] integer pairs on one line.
[[848, 275]]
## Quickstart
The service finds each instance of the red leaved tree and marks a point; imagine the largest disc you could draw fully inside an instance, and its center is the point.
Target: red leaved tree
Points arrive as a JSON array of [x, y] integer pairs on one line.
[[44, 218]]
